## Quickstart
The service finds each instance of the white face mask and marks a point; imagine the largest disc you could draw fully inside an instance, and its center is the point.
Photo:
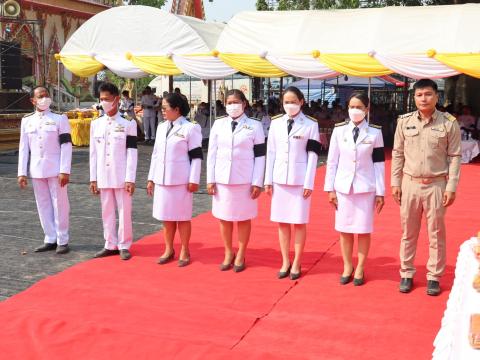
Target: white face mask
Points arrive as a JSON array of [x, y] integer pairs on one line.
[[43, 103], [356, 115], [234, 110], [107, 106], [292, 109]]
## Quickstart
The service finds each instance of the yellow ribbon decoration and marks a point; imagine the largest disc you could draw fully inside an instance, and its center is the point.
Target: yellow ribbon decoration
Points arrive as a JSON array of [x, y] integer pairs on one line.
[[157, 65], [361, 65], [81, 65], [252, 65], [465, 63]]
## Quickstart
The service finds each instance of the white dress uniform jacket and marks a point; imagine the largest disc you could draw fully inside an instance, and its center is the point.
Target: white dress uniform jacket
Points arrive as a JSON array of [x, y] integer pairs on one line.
[[113, 151], [292, 158], [177, 158], [238, 157], [359, 165], [45, 136]]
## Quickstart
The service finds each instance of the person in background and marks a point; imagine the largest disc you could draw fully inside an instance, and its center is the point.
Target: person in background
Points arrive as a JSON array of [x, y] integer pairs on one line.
[[46, 143], [113, 166], [149, 103], [355, 182], [425, 173], [292, 156], [235, 170], [174, 175]]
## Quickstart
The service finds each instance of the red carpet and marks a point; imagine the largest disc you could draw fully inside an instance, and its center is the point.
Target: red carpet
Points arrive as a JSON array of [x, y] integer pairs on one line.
[[110, 309]]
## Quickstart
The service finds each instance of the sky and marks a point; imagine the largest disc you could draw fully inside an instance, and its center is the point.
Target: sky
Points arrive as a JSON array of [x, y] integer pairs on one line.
[[221, 10]]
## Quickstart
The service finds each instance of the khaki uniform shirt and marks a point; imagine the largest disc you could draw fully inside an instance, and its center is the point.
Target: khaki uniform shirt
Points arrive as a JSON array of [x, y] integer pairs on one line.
[[427, 149]]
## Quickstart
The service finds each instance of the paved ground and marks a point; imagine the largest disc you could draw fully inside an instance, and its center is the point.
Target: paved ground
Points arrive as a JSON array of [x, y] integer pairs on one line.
[[20, 230]]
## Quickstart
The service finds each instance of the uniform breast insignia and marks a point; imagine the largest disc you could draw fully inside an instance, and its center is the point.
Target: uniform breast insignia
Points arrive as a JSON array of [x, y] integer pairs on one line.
[[341, 124], [50, 123], [449, 116], [437, 129], [119, 128], [375, 126], [410, 127], [247, 127], [277, 116], [180, 135], [298, 137], [367, 141]]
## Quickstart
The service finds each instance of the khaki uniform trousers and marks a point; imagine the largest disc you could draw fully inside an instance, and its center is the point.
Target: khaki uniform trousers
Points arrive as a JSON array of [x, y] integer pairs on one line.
[[418, 199]]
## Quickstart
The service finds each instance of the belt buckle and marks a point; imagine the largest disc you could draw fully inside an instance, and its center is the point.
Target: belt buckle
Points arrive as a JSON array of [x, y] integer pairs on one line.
[[426, 181]]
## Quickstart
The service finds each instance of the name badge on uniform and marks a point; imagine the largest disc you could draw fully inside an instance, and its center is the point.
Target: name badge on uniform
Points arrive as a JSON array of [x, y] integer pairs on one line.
[[437, 129], [298, 137], [367, 141], [411, 127], [50, 123], [119, 129], [180, 135], [247, 127]]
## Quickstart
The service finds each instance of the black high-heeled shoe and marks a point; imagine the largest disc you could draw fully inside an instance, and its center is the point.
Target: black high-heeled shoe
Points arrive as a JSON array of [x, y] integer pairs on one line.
[[296, 276], [359, 282], [239, 268], [284, 274], [344, 280], [166, 259], [225, 267]]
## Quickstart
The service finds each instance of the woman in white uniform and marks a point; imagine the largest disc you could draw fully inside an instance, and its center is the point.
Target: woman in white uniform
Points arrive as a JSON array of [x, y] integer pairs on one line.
[[355, 182], [235, 171], [292, 154], [175, 174]]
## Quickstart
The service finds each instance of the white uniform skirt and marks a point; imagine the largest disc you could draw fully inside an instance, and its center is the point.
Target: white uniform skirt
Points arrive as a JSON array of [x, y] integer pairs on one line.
[[172, 203], [289, 206], [355, 213], [234, 203]]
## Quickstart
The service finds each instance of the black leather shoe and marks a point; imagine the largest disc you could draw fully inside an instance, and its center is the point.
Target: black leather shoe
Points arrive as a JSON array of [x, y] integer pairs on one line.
[[183, 263], [105, 253], [125, 254], [406, 285], [62, 249], [225, 267], [359, 282], [284, 274], [239, 268], [344, 280], [295, 276], [433, 288], [167, 259], [46, 247]]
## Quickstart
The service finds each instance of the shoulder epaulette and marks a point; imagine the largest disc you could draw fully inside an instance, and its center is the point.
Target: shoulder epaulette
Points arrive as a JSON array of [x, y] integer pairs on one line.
[[277, 116], [449, 116], [341, 124], [221, 117], [375, 126], [27, 115], [193, 121], [406, 115], [56, 112], [311, 118], [256, 119]]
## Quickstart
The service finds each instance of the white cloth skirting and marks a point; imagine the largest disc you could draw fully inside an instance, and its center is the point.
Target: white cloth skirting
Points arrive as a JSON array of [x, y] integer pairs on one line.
[[234, 203], [289, 206], [172, 203], [355, 213]]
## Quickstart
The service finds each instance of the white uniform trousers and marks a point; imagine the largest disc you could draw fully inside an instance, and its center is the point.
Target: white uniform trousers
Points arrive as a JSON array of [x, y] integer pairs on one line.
[[149, 127], [122, 201], [53, 209]]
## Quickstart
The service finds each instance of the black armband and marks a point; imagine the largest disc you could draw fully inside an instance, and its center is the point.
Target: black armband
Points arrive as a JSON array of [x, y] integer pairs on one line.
[[313, 145], [196, 153], [65, 138], [259, 150], [131, 142], [378, 155]]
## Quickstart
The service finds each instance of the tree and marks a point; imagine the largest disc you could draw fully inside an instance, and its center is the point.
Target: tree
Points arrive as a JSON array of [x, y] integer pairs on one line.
[[153, 3], [262, 5]]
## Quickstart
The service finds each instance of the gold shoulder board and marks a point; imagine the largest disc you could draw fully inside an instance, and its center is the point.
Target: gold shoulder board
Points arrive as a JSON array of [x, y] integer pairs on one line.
[[341, 124], [449, 116], [256, 119], [27, 115], [311, 118], [405, 115], [56, 112], [375, 126], [277, 116], [221, 117]]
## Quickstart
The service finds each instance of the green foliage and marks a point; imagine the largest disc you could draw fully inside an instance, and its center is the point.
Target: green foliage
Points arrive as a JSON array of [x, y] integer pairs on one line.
[[262, 5], [153, 3]]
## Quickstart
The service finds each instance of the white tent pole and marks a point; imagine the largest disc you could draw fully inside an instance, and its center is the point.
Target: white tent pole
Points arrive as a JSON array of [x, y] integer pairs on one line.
[[209, 85], [215, 98], [58, 86], [369, 95], [190, 112]]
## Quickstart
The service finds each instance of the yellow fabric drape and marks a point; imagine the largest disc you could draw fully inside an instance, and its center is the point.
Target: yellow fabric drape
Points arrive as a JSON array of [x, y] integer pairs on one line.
[[81, 65], [252, 65], [355, 64], [157, 65], [80, 131], [465, 63]]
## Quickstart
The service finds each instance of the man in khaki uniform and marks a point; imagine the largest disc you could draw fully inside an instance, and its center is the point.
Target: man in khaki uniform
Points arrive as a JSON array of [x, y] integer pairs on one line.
[[425, 173]]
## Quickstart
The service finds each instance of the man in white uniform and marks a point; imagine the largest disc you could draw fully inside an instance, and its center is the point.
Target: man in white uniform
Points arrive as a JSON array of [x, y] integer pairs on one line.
[[113, 165], [45, 139]]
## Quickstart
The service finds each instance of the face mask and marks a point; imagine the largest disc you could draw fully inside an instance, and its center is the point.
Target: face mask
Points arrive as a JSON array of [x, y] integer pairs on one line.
[[107, 106], [291, 109], [356, 115], [43, 103], [234, 110]]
